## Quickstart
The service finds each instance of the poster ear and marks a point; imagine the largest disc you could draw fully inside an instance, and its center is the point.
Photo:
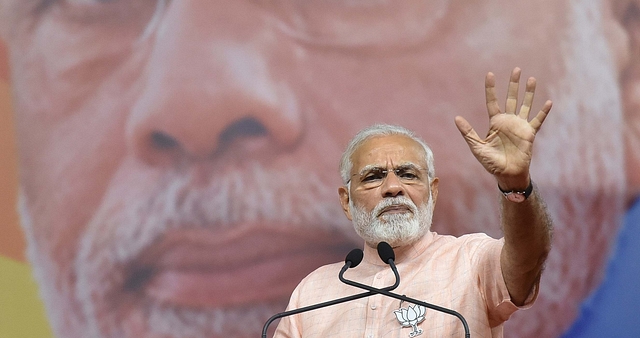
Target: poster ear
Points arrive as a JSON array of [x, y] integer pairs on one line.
[[623, 33]]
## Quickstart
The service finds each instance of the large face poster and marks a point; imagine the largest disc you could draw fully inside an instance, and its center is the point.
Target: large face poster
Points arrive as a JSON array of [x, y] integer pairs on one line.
[[178, 160]]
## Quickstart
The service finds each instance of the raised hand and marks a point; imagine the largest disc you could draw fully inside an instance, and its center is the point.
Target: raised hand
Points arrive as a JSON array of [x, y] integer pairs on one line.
[[506, 151]]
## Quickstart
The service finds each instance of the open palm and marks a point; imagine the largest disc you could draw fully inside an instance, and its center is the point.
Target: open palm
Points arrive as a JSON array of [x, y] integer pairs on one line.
[[506, 151]]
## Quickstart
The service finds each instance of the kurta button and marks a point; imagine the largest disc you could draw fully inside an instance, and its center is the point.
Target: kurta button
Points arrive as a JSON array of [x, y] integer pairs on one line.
[[373, 307]]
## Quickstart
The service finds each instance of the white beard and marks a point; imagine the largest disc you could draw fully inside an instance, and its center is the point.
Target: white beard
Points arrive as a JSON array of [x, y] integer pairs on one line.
[[395, 229]]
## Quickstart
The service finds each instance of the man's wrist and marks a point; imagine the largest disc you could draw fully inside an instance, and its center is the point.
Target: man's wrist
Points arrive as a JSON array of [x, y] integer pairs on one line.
[[517, 196]]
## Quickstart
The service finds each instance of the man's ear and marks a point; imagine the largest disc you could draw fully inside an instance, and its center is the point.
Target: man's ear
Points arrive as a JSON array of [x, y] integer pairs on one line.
[[344, 201], [434, 189], [622, 29]]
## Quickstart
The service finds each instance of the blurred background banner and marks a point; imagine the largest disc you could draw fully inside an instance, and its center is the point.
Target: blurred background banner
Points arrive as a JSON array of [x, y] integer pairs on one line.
[[169, 168], [21, 310]]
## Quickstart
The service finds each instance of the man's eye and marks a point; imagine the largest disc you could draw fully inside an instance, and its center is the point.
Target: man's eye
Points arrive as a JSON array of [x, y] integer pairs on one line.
[[373, 176], [407, 174]]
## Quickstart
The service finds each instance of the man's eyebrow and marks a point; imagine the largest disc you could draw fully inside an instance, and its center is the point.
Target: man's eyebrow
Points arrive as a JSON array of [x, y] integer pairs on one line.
[[369, 167], [404, 165], [408, 165]]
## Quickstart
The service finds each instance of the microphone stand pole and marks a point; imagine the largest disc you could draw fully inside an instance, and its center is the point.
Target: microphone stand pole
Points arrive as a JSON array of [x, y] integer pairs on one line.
[[328, 303], [407, 299]]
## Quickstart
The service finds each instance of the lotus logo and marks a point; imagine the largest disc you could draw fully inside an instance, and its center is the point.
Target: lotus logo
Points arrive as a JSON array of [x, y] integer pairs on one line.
[[411, 317]]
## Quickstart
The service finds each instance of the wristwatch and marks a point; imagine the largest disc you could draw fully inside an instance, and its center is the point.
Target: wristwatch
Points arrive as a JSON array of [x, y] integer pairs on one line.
[[517, 196]]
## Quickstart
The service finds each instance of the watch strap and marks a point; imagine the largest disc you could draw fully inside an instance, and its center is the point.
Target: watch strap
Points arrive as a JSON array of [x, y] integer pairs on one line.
[[517, 195]]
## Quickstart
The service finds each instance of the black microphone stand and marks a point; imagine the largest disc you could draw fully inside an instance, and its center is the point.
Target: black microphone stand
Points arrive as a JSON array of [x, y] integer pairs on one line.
[[346, 266], [385, 292]]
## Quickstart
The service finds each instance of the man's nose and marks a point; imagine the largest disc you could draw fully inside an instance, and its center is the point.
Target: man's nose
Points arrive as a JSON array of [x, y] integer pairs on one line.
[[391, 185], [213, 86]]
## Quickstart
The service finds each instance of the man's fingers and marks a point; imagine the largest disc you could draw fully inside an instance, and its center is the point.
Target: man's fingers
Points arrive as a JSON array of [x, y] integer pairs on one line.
[[466, 130], [512, 92], [537, 121], [490, 93], [525, 109]]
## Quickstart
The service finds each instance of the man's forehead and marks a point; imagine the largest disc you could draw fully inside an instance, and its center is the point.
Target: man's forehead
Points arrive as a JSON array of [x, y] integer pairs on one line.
[[391, 150]]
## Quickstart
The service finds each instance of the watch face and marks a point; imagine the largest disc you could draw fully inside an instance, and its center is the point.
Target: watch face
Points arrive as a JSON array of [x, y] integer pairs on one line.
[[517, 198]]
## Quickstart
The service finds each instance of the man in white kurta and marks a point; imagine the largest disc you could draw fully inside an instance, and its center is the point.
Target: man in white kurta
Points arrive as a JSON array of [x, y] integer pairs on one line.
[[457, 273], [389, 193]]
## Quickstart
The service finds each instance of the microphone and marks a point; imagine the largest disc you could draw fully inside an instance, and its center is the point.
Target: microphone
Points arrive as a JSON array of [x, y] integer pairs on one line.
[[352, 260], [386, 254], [354, 257], [385, 251]]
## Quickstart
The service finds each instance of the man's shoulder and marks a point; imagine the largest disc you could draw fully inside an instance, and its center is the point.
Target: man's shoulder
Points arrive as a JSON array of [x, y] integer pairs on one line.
[[321, 285], [321, 274]]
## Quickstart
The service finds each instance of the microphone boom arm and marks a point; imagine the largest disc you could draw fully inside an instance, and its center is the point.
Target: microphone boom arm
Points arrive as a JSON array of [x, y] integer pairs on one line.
[[386, 292], [328, 303], [312, 307]]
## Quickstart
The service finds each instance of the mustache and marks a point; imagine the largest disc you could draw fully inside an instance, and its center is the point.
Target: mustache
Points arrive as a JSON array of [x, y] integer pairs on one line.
[[400, 200]]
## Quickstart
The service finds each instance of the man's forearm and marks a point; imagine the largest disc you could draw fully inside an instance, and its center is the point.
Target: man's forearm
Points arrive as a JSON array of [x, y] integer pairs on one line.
[[527, 230]]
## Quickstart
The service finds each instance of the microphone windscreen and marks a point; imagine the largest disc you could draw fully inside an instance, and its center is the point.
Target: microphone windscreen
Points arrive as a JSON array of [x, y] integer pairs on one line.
[[385, 251], [355, 257]]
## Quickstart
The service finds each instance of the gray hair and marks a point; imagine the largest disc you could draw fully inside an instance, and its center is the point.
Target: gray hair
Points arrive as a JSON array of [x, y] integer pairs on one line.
[[381, 130]]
